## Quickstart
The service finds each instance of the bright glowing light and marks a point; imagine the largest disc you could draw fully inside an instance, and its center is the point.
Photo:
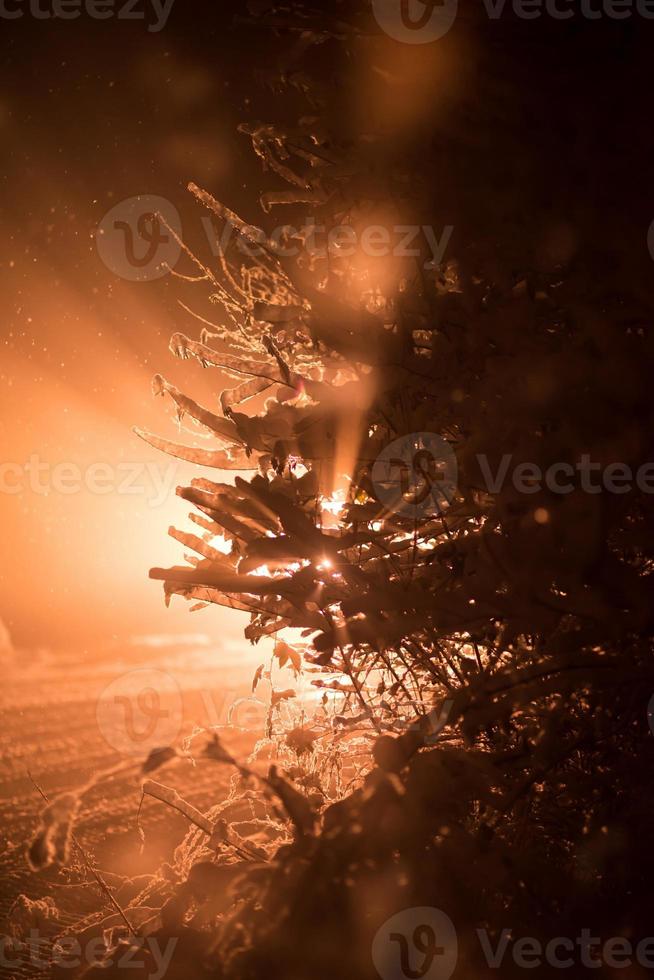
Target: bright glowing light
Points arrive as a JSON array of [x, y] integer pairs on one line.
[[335, 503], [262, 570], [222, 544]]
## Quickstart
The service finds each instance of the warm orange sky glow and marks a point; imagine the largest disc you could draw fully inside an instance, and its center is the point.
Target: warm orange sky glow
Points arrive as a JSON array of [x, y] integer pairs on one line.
[[78, 350]]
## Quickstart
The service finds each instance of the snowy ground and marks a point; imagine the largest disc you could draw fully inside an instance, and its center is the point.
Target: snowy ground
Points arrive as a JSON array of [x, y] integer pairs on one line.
[[65, 720]]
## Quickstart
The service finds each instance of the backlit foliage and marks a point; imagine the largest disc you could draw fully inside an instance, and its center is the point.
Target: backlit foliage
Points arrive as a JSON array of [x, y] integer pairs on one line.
[[528, 614]]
